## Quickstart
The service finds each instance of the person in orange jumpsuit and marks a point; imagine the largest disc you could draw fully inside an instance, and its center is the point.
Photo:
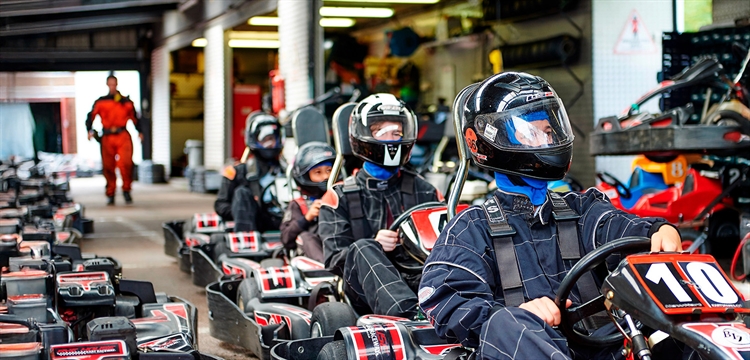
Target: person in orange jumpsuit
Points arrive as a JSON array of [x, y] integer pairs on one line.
[[117, 147]]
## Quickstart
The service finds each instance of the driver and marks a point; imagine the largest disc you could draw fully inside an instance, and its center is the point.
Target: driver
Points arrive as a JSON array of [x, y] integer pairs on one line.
[[241, 193], [492, 287], [355, 216]]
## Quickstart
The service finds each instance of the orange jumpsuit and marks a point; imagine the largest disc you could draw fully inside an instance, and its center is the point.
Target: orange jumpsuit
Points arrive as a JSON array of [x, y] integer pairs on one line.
[[116, 144]]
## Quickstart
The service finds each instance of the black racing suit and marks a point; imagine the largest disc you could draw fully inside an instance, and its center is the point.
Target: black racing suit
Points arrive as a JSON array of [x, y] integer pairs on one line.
[[372, 282], [461, 291], [296, 229], [240, 196]]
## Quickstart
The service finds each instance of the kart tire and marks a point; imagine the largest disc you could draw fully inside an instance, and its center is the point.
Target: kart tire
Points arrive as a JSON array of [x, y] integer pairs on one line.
[[219, 246], [247, 291], [329, 317], [272, 263], [335, 350], [690, 235]]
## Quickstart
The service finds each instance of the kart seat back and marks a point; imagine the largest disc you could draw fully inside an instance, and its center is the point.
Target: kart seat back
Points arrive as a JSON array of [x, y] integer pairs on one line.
[[341, 138], [309, 124]]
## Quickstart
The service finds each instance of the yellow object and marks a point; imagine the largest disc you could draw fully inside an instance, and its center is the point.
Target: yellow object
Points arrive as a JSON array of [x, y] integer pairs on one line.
[[673, 172], [496, 59]]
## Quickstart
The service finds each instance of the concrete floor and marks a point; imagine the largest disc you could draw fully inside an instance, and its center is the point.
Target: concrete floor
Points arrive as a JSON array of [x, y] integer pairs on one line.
[[133, 235]]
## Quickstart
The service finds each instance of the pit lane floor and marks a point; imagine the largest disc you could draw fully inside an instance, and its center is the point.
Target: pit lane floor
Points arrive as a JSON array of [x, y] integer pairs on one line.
[[133, 235]]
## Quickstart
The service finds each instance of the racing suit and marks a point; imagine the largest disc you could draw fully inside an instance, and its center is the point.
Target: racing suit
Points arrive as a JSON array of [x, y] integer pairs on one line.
[[241, 196], [296, 231], [461, 293], [372, 282], [116, 144]]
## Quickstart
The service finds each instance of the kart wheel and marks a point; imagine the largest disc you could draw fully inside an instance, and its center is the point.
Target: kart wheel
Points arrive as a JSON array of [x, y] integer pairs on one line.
[[269, 263], [247, 291], [335, 350], [218, 246], [329, 317], [689, 236]]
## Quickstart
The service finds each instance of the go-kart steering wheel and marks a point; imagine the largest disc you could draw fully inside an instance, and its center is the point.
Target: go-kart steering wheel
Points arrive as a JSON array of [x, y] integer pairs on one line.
[[612, 181], [574, 314], [405, 215]]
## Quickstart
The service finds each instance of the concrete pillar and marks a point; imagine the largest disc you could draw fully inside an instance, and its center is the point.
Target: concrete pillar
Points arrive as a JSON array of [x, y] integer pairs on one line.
[[216, 98], [300, 52], [160, 105]]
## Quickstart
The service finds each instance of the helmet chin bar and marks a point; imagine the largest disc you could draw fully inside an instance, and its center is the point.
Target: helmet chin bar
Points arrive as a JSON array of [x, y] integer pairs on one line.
[[463, 152]]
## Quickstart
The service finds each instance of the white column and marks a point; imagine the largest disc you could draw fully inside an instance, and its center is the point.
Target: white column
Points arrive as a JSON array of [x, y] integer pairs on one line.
[[295, 51], [160, 116], [215, 99]]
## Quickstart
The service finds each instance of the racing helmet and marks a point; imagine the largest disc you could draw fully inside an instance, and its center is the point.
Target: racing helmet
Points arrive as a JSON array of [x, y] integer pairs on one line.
[[514, 123], [264, 135], [382, 130], [309, 156]]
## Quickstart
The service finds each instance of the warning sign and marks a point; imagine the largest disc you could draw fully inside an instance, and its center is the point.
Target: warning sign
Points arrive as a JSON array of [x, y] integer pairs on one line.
[[634, 37]]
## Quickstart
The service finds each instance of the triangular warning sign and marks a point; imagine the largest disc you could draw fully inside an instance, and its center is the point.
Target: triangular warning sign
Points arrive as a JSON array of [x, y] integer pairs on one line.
[[634, 37]]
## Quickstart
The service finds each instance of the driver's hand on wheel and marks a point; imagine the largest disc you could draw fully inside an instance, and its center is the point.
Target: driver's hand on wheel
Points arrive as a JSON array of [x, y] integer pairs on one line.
[[387, 239], [667, 238], [545, 309]]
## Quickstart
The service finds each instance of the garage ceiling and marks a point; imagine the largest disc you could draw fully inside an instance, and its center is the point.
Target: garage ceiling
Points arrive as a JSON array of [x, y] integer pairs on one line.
[[69, 35]]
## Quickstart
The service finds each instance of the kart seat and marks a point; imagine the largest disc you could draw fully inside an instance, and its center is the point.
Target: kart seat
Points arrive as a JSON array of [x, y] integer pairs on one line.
[[308, 125], [341, 139]]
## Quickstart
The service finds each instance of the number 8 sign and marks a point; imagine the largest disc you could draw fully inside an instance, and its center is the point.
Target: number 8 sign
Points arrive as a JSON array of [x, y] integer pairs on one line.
[[686, 284]]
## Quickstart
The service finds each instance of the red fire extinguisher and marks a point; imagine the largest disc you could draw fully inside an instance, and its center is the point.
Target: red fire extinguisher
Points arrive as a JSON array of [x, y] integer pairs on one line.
[[277, 91]]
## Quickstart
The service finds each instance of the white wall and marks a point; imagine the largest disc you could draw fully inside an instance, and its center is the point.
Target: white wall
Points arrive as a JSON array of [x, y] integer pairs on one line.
[[89, 86], [620, 79]]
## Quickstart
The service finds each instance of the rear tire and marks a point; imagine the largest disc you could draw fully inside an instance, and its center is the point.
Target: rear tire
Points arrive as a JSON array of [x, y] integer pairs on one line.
[[329, 317], [335, 350], [247, 291]]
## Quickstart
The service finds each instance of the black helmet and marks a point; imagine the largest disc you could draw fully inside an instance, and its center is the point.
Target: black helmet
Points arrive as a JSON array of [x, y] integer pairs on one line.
[[309, 156], [264, 135], [514, 123], [383, 145]]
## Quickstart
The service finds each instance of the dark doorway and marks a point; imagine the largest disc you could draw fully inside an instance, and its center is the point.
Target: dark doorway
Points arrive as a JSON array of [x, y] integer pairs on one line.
[[47, 131]]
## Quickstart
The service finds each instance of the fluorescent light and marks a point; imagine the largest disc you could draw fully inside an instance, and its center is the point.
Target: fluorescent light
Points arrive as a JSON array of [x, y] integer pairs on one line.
[[264, 21], [200, 42], [327, 44], [337, 22], [356, 12], [254, 35], [389, 1], [246, 43]]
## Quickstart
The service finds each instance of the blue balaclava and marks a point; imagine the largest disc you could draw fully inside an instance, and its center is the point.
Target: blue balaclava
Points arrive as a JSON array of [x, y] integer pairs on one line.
[[380, 172], [536, 190]]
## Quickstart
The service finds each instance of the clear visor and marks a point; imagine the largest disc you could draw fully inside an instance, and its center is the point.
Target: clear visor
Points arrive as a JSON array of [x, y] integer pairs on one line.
[[540, 124], [268, 136], [386, 128]]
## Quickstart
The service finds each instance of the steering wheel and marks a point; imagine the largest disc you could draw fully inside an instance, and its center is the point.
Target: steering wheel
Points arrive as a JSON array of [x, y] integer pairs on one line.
[[405, 215], [612, 181], [570, 316]]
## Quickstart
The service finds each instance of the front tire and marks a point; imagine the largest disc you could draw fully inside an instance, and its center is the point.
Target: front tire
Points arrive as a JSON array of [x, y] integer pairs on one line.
[[329, 317], [247, 291], [335, 350]]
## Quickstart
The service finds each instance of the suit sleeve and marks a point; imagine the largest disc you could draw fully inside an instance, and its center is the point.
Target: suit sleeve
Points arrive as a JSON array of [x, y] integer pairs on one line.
[[334, 229], [601, 222], [134, 117], [92, 115], [457, 281], [223, 203], [293, 224]]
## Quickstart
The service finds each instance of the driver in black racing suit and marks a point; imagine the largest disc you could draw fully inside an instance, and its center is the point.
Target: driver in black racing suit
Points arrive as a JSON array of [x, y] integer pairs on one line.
[[486, 298], [241, 196], [355, 216]]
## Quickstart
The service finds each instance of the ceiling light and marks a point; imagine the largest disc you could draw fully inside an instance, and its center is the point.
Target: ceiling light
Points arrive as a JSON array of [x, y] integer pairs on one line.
[[328, 44], [200, 42], [337, 22], [264, 21], [389, 1], [254, 35], [356, 12], [246, 43]]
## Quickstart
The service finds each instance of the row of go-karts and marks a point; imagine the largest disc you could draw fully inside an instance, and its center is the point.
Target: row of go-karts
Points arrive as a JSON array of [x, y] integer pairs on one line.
[[59, 303], [281, 306]]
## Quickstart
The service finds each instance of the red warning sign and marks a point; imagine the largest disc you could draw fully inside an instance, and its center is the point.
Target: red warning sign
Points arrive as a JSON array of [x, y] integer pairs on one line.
[[634, 37]]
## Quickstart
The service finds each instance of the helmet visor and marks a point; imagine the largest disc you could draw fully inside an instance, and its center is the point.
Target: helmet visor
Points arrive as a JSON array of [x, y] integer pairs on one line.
[[268, 136], [541, 124], [387, 128]]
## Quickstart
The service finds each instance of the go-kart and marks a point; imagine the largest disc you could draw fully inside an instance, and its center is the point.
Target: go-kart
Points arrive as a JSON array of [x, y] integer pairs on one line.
[[211, 248], [279, 302]]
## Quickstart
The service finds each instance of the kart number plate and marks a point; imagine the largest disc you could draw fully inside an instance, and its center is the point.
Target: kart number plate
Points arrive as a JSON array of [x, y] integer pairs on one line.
[[686, 284]]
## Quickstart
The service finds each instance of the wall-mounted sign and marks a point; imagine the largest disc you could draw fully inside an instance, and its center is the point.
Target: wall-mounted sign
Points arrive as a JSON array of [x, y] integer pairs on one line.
[[634, 37]]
